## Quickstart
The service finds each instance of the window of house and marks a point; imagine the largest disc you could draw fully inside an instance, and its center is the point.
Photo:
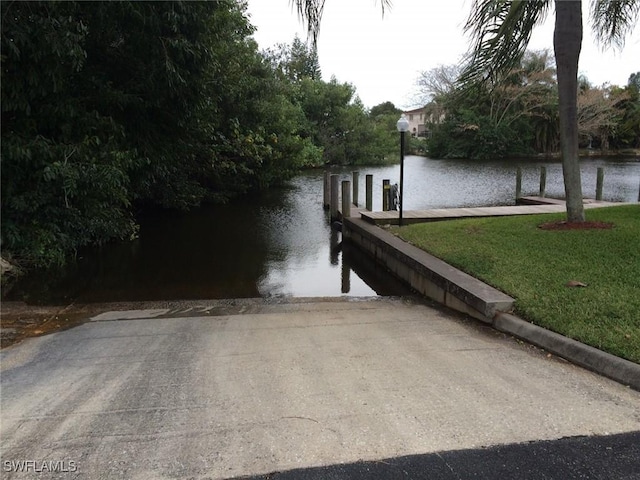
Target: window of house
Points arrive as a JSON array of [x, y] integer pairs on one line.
[[410, 117]]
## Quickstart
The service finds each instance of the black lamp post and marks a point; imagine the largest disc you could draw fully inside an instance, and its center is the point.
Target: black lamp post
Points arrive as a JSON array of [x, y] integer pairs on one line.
[[402, 126]]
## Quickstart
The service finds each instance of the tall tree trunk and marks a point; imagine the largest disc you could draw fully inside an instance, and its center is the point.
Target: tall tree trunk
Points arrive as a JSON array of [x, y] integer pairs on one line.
[[567, 42]]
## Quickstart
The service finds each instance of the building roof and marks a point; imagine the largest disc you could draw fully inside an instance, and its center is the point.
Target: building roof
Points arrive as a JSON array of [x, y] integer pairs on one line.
[[415, 110]]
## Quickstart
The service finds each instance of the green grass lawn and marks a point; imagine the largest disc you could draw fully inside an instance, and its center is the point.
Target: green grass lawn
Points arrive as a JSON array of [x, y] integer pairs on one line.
[[534, 265]]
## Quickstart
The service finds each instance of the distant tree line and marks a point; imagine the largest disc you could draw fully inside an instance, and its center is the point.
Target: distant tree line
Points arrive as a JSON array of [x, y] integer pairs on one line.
[[109, 108], [516, 114]]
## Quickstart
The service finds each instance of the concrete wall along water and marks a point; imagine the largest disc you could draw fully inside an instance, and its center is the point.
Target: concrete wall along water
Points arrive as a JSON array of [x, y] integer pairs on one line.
[[427, 274]]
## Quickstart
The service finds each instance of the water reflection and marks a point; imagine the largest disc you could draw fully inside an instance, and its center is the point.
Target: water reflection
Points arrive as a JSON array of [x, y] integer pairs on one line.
[[277, 244], [306, 257], [281, 244]]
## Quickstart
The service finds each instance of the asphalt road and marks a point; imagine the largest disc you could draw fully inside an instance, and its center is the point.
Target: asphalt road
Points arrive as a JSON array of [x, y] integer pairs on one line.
[[323, 389]]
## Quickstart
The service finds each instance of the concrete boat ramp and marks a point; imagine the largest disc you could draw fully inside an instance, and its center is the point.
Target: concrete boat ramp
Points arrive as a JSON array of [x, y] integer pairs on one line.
[[306, 388]]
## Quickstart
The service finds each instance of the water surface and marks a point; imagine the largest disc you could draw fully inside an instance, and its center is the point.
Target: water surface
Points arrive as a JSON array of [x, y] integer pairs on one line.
[[281, 244]]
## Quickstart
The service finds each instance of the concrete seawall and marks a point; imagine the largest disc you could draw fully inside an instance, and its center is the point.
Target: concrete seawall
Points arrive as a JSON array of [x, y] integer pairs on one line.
[[427, 274]]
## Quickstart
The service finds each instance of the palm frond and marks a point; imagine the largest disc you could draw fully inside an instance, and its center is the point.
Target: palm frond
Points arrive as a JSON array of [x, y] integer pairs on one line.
[[500, 32], [613, 20], [310, 12]]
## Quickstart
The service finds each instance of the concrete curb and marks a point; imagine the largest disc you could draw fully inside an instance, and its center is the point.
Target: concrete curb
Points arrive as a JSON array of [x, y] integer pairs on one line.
[[616, 368]]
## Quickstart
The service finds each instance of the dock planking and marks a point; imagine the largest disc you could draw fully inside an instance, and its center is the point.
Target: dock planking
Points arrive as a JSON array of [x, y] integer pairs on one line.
[[420, 216], [535, 200]]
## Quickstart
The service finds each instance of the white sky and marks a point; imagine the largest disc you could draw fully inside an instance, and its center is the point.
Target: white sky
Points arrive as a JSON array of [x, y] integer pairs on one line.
[[382, 57]]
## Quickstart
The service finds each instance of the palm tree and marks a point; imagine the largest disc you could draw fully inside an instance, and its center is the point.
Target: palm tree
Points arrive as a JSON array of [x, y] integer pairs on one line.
[[501, 30]]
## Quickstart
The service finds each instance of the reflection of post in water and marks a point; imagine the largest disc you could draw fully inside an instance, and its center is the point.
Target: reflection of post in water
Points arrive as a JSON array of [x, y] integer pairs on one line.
[[346, 277], [334, 247], [364, 267]]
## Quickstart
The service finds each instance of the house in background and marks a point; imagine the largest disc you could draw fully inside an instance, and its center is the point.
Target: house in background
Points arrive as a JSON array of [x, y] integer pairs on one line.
[[417, 122]]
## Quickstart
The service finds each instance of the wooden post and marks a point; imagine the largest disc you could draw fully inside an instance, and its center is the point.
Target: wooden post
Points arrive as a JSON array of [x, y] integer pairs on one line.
[[386, 188], [326, 200], [639, 193], [543, 181], [334, 247], [346, 198], [335, 194], [369, 192], [518, 184], [356, 181], [346, 276], [599, 183]]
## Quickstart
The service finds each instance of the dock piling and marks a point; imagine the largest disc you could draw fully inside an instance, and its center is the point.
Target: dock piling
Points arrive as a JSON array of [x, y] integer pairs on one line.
[[369, 192], [543, 181], [326, 199], [346, 198], [386, 188], [599, 183], [518, 184], [356, 181], [335, 193], [345, 277]]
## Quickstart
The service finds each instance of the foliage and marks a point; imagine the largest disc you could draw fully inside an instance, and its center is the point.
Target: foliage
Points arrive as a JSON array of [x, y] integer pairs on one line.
[[311, 12], [534, 266], [599, 114], [64, 163], [626, 133], [493, 119], [112, 107], [295, 62], [517, 114]]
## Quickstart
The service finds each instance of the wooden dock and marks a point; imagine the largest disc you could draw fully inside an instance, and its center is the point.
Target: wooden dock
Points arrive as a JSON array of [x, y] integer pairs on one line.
[[420, 216], [534, 200]]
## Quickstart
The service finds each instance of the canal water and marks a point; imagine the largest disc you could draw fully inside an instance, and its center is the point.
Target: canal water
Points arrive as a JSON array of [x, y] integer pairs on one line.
[[280, 243]]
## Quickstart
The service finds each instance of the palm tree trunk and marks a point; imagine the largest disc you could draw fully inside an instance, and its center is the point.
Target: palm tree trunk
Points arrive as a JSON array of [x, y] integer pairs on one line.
[[567, 42]]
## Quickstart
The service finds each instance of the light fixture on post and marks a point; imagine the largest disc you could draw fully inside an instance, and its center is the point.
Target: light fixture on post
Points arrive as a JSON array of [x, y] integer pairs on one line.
[[402, 126]]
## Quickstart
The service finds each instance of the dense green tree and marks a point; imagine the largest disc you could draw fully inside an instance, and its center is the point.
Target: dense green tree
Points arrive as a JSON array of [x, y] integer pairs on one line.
[[97, 108], [332, 119], [385, 108], [338, 122], [626, 133], [64, 172], [111, 106], [507, 116], [296, 61]]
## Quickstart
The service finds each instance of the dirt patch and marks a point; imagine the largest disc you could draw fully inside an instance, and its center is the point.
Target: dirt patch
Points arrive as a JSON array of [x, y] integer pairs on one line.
[[564, 225], [20, 321]]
